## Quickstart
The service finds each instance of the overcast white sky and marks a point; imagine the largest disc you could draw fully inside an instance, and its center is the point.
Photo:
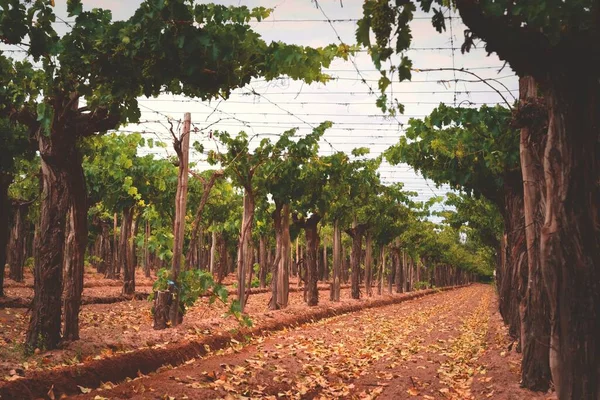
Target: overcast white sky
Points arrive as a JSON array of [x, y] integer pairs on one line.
[[346, 102]]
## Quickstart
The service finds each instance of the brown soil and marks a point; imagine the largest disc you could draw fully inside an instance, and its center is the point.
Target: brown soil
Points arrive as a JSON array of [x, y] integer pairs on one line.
[[449, 345], [93, 372], [108, 329], [90, 279]]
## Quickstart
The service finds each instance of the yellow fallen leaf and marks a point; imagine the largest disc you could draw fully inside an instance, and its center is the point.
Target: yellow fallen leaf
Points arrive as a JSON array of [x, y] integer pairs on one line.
[[84, 389], [413, 391], [51, 393]]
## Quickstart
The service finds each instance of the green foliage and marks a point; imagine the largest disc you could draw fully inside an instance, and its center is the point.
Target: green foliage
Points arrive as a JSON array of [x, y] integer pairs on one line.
[[421, 285], [255, 279], [469, 149], [544, 25], [480, 218], [194, 283]]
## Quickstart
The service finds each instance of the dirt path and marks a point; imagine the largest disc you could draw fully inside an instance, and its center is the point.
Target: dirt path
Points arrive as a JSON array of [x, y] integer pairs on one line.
[[429, 348]]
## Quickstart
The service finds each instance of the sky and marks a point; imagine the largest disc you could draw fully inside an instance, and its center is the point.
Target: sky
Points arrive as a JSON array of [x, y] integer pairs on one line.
[[346, 101]]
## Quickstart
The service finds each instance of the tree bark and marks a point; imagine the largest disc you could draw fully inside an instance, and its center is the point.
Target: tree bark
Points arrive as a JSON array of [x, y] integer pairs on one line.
[[369, 264], [146, 250], [570, 236], [382, 257], [45, 322], [244, 258], [262, 261], [311, 234], [223, 258], [5, 181], [277, 225], [213, 251], [106, 249], [515, 257], [182, 148], [124, 252], [116, 271], [77, 243], [337, 262], [325, 275], [400, 279], [392, 275], [356, 233], [16, 246], [534, 313], [283, 275], [207, 187]]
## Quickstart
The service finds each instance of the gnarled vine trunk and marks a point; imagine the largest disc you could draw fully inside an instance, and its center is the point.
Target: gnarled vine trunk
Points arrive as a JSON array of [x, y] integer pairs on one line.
[[77, 243], [277, 222], [535, 315], [400, 280], [244, 249], [45, 322], [125, 256], [337, 262], [312, 276], [515, 253], [5, 181], [106, 249], [283, 274], [17, 242], [570, 236], [263, 261], [369, 264], [356, 233]]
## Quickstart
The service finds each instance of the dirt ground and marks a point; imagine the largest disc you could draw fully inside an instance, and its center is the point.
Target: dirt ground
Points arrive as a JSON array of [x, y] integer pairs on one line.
[[449, 345], [110, 329]]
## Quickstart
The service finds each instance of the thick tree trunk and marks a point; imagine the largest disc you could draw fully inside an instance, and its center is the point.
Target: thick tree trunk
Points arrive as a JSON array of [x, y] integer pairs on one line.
[[319, 260], [392, 275], [369, 264], [345, 266], [182, 148], [381, 270], [106, 250], [17, 241], [312, 234], [277, 224], [45, 322], [213, 251], [515, 257], [244, 258], [535, 316], [356, 233], [116, 249], [570, 237], [77, 243], [400, 279], [337, 262], [162, 307], [262, 261], [194, 244], [223, 258], [124, 252], [5, 181], [146, 250], [325, 275], [283, 274]]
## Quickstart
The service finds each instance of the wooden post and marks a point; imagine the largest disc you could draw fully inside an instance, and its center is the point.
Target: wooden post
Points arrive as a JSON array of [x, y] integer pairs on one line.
[[146, 251], [116, 264], [325, 275], [369, 264], [182, 147], [213, 251]]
